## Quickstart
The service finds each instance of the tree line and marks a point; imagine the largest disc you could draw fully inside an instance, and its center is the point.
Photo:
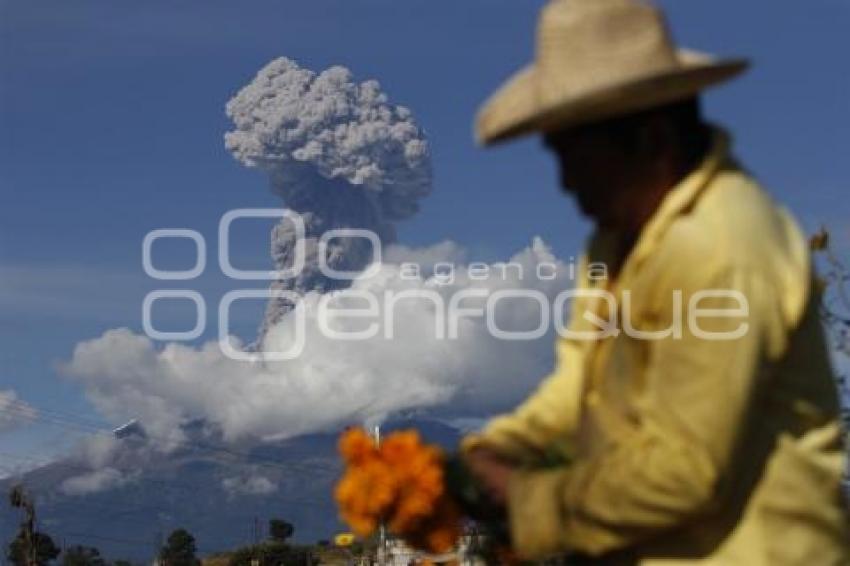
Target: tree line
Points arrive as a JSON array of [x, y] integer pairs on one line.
[[32, 547]]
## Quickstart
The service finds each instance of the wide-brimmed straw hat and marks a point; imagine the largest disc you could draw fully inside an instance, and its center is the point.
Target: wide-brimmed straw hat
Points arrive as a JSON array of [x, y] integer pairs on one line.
[[597, 59]]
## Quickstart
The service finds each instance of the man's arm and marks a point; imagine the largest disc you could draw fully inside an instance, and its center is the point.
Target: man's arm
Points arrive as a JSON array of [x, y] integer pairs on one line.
[[667, 470], [550, 414]]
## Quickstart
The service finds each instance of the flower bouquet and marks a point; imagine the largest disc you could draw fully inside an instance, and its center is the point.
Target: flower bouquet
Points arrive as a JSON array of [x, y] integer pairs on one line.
[[400, 484]]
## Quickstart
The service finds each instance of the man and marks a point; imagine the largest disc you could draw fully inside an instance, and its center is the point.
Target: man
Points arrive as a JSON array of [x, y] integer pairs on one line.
[[705, 428]]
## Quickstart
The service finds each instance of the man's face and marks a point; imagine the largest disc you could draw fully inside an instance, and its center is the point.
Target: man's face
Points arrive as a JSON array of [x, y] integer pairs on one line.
[[597, 171]]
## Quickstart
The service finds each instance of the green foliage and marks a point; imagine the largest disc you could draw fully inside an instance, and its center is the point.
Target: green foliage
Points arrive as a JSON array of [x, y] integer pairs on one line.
[[17, 498], [280, 530], [82, 556], [834, 286], [179, 550], [45, 551], [273, 554]]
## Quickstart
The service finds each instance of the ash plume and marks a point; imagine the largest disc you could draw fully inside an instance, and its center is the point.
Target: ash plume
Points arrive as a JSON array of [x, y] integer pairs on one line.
[[337, 153], [341, 156]]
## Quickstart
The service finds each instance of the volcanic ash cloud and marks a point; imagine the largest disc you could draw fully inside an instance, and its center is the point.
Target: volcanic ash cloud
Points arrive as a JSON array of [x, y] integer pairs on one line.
[[339, 154]]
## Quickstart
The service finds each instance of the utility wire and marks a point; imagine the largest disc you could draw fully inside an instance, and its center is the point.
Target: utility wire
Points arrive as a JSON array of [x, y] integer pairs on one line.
[[65, 420], [186, 487]]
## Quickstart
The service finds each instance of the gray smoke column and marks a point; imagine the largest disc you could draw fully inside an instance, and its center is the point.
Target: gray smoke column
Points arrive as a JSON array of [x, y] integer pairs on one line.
[[339, 154]]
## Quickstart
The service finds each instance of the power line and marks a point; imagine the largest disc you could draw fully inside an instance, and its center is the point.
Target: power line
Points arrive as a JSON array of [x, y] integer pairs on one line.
[[86, 469], [103, 538], [119, 540], [186, 487], [69, 421]]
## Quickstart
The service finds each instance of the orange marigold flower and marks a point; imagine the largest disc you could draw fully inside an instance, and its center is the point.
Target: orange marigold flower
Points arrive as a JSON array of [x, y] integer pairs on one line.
[[356, 446], [400, 447], [400, 483]]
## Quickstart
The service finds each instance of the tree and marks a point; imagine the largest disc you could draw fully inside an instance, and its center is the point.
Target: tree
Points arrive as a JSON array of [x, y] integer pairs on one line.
[[272, 554], [280, 530], [44, 550], [30, 547], [835, 303], [82, 556], [179, 550]]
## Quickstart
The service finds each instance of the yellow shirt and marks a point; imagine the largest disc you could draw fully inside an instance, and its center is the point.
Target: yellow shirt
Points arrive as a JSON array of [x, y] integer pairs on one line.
[[685, 447]]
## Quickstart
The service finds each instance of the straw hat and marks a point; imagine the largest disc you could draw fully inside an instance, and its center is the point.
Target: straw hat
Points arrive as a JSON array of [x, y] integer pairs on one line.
[[597, 59]]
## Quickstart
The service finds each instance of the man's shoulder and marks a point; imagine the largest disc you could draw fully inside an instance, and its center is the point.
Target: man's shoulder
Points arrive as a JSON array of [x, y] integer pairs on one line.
[[734, 225], [735, 200], [737, 222]]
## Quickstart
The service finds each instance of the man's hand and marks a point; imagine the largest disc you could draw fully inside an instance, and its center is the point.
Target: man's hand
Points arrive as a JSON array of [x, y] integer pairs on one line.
[[492, 470]]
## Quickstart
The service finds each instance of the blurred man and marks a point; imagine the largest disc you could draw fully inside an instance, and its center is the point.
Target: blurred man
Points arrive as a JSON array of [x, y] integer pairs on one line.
[[703, 426]]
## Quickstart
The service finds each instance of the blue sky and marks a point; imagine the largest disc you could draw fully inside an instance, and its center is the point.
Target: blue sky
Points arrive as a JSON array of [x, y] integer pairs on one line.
[[112, 116]]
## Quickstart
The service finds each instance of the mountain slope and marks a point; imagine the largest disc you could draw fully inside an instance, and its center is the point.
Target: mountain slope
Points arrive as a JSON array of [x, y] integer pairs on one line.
[[217, 492]]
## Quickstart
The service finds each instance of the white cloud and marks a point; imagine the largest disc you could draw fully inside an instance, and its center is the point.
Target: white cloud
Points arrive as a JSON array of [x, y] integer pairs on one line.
[[251, 485], [21, 465], [426, 257], [334, 382], [14, 413], [95, 481], [98, 451]]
